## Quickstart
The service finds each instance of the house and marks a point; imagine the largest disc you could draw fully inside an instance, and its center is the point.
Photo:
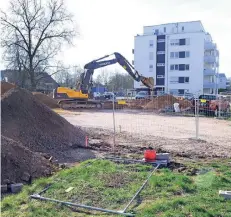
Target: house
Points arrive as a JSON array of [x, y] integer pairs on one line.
[[45, 83]]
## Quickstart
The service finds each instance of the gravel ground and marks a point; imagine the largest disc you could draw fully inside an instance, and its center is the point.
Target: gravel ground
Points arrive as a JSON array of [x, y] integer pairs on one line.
[[169, 133]]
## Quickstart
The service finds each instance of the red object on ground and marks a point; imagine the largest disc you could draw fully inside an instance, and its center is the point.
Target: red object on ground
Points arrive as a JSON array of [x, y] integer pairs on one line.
[[150, 155]]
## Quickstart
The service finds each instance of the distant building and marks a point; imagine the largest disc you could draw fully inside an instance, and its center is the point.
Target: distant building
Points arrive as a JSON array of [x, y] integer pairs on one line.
[[45, 83], [223, 82], [181, 57]]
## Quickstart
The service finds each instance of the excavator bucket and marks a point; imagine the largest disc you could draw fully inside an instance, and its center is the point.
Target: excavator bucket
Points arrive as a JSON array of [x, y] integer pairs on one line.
[[148, 82]]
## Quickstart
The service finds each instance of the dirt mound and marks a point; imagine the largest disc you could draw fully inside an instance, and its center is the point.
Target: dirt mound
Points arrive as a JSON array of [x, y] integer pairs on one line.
[[161, 102], [5, 86], [48, 101], [19, 164], [184, 104], [26, 120], [137, 103]]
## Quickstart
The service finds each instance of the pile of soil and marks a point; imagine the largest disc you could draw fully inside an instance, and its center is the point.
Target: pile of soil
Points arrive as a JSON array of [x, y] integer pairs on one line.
[[161, 102], [137, 104], [19, 164], [26, 120], [5, 86], [184, 104], [47, 100]]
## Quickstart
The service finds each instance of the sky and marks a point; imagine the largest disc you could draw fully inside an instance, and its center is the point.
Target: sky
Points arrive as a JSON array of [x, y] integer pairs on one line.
[[108, 26]]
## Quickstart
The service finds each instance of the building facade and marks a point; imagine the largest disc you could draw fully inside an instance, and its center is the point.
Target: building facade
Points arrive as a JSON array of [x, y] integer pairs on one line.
[[181, 57], [223, 82]]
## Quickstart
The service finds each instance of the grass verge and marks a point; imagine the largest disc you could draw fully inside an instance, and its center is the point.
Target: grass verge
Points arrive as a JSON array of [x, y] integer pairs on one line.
[[109, 185]]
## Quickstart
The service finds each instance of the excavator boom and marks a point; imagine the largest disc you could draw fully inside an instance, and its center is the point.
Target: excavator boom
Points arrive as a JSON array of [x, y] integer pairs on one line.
[[86, 77]]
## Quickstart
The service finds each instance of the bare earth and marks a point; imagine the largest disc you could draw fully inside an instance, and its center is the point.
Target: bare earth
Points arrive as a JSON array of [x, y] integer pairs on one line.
[[169, 133]]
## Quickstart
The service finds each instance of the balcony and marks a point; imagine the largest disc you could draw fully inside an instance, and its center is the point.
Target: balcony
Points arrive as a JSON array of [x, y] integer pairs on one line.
[[210, 46], [209, 72], [210, 59], [208, 84]]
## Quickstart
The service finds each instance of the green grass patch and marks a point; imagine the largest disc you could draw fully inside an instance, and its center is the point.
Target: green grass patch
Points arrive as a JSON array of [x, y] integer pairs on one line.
[[108, 185]]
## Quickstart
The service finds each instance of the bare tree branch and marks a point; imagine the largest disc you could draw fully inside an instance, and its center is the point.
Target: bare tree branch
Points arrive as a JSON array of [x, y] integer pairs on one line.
[[37, 29]]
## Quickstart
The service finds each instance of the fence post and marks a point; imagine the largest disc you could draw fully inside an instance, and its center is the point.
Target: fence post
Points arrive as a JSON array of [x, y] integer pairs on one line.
[[219, 106], [197, 117], [114, 133]]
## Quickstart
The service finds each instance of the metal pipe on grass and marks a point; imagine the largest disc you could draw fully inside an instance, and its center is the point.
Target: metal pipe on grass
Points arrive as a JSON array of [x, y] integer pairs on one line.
[[38, 197], [141, 188]]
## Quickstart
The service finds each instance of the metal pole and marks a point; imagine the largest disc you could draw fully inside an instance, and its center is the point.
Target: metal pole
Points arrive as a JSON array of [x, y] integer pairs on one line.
[[197, 117], [80, 205], [114, 133], [219, 106], [141, 188]]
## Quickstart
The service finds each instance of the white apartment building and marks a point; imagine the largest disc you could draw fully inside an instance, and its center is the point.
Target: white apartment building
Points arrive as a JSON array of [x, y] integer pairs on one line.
[[223, 82], [181, 57]]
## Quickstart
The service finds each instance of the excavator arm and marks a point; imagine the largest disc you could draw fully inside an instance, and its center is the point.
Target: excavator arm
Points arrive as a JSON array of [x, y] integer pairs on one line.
[[86, 77]]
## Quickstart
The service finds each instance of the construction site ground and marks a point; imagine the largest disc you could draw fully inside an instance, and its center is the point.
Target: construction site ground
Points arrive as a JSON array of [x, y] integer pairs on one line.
[[136, 129]]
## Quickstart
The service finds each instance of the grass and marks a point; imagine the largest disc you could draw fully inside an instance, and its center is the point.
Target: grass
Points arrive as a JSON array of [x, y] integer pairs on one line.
[[108, 185]]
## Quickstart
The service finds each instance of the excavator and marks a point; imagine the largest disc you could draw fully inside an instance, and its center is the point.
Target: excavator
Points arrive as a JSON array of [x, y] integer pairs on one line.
[[81, 96]]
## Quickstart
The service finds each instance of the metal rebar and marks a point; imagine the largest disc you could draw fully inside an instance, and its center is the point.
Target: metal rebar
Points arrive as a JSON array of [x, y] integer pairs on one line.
[[141, 188], [38, 197]]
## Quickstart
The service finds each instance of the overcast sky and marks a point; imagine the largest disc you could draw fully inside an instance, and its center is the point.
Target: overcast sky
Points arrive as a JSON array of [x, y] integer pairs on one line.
[[107, 26]]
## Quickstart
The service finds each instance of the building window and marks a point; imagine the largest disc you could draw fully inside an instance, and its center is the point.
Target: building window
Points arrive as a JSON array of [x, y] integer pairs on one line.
[[160, 76], [174, 91], [156, 31], [151, 43], [182, 41], [181, 54], [180, 91], [187, 41], [151, 56], [181, 67], [182, 28], [174, 80], [174, 42], [150, 68], [187, 54], [174, 67], [164, 29], [174, 55], [186, 79]]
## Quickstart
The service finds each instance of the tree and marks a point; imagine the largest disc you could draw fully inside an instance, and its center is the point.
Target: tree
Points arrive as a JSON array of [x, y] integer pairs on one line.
[[69, 76], [120, 82], [37, 29]]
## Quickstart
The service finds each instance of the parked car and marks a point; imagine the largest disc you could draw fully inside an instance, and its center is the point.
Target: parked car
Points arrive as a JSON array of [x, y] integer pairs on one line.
[[109, 95], [143, 95]]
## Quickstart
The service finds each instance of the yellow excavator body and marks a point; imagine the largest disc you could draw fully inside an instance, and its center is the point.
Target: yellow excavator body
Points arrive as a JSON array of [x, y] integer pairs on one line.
[[68, 93]]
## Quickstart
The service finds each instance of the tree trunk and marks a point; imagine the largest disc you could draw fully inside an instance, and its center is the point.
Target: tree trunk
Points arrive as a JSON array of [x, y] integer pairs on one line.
[[32, 81]]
